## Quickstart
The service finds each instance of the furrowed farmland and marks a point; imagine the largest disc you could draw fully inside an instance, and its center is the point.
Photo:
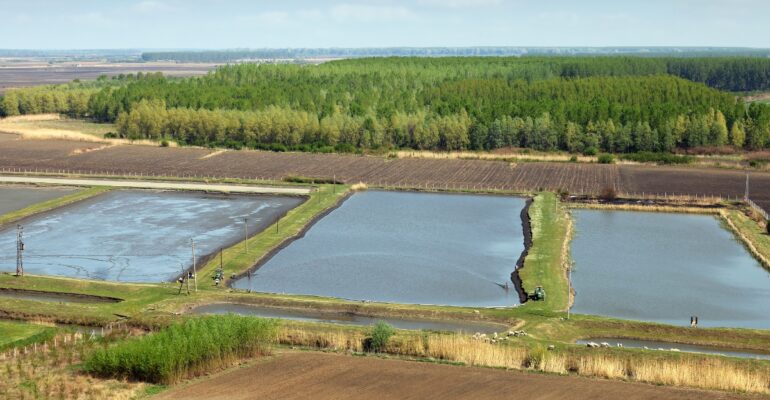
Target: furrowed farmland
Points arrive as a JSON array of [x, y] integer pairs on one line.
[[575, 178]]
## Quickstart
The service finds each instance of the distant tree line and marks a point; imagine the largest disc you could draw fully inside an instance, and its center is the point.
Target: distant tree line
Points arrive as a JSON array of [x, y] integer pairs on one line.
[[611, 104], [234, 55]]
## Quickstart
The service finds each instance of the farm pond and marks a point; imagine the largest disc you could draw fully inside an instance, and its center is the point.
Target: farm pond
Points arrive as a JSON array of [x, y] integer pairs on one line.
[[401, 247], [666, 268], [13, 198], [137, 236]]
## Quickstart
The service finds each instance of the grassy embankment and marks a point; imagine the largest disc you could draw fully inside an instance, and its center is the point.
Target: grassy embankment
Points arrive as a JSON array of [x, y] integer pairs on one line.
[[239, 258], [548, 258], [51, 204], [14, 334]]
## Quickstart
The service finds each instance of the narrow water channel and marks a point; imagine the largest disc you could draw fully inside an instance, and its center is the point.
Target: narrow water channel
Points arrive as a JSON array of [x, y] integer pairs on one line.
[[348, 319], [667, 346]]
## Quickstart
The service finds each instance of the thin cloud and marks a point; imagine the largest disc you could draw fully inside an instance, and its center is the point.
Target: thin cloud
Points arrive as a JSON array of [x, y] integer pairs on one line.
[[460, 3], [150, 6], [371, 13]]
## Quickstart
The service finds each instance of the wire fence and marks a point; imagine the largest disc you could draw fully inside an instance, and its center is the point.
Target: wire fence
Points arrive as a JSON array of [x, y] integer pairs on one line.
[[758, 209], [394, 185]]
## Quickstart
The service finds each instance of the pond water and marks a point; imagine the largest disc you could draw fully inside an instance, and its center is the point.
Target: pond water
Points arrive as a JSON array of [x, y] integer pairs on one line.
[[136, 236], [665, 268], [404, 247], [14, 198], [667, 346], [349, 319]]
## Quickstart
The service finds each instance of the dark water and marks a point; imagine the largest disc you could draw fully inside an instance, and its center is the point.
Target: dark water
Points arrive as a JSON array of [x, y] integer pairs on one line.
[[136, 236], [687, 348], [14, 198], [665, 268], [348, 319], [54, 297], [404, 248]]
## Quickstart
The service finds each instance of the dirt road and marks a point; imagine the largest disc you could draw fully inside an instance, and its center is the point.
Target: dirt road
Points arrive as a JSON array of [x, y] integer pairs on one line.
[[157, 185], [332, 376]]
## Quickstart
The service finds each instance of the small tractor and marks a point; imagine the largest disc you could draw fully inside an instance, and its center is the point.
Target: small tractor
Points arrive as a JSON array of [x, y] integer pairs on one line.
[[538, 294]]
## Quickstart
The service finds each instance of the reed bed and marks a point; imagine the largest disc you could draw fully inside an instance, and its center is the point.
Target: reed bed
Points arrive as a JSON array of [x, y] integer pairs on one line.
[[698, 372], [47, 371], [185, 349]]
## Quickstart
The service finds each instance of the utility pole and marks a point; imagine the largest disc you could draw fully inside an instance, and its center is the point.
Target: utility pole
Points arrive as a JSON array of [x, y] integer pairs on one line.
[[245, 235], [195, 269], [19, 251], [746, 194]]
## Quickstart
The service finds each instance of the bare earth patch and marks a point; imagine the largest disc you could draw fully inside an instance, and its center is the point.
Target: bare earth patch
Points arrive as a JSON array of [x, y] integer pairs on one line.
[[309, 375]]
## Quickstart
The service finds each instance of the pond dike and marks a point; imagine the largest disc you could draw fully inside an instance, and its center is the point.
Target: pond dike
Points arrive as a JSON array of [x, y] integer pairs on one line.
[[526, 226], [287, 241], [201, 261]]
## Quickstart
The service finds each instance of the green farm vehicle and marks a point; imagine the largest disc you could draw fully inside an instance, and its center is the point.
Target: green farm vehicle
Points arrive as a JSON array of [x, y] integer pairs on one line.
[[538, 294]]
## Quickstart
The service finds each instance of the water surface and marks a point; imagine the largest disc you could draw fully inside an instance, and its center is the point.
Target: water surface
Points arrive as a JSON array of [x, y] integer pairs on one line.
[[14, 198], [665, 268], [136, 236], [404, 248], [348, 319]]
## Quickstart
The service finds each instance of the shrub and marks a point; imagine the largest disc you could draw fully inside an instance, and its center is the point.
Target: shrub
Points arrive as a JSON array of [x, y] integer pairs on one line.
[[659, 158], [381, 333], [573, 159], [164, 143], [185, 349], [590, 151], [608, 194], [606, 158]]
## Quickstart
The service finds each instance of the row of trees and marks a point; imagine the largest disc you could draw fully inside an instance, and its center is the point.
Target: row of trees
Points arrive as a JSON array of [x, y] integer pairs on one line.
[[277, 125]]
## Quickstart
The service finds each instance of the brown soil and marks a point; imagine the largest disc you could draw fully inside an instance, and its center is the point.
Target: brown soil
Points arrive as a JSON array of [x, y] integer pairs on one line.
[[375, 171], [332, 376]]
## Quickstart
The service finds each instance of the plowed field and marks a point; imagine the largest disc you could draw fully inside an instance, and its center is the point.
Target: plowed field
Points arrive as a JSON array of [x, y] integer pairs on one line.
[[331, 376], [84, 157]]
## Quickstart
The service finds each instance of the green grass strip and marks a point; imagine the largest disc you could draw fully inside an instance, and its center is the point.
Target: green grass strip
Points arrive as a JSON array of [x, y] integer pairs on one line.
[[543, 265], [237, 260]]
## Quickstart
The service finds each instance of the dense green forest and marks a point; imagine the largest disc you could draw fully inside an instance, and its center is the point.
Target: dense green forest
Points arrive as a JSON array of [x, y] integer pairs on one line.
[[579, 104]]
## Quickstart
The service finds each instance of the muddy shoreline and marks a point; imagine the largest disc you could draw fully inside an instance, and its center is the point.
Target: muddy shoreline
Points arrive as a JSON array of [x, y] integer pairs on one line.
[[526, 225], [287, 241]]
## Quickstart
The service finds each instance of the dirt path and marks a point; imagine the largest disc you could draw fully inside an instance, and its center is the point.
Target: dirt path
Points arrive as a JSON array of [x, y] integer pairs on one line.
[[331, 376], [157, 185]]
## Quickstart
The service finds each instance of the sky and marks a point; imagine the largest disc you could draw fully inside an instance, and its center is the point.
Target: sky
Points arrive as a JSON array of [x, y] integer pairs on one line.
[[216, 24]]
